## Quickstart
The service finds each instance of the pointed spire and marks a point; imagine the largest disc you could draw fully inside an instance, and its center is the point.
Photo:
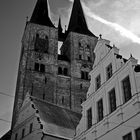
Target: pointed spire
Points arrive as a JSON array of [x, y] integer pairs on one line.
[[40, 14], [77, 20], [59, 25]]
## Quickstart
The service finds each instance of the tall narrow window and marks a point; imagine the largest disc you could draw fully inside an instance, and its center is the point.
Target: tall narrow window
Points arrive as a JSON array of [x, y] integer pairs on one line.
[[41, 44], [65, 71], [16, 136], [100, 110], [62, 100], [42, 68], [109, 71], [31, 128], [89, 118], [112, 100], [23, 133], [137, 133], [80, 57], [36, 67], [43, 96], [127, 136], [84, 75], [60, 70], [126, 89], [98, 82]]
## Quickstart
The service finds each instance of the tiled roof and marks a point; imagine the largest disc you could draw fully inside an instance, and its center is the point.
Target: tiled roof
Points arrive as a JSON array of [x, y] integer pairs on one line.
[[54, 114]]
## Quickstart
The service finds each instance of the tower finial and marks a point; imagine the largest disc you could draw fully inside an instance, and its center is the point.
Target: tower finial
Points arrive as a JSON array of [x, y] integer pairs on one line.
[[100, 36]]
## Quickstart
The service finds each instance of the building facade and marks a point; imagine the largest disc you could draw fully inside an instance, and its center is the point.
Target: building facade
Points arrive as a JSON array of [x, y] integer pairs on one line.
[[112, 108], [57, 81]]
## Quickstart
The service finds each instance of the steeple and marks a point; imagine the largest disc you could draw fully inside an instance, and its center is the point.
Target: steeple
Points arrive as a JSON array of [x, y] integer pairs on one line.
[[59, 26], [41, 15], [77, 20]]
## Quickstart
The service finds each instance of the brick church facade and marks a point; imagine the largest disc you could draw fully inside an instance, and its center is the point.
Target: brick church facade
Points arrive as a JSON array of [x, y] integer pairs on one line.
[[51, 86]]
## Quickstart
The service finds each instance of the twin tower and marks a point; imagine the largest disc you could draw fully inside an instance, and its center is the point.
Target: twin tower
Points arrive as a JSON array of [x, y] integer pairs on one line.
[[59, 78]]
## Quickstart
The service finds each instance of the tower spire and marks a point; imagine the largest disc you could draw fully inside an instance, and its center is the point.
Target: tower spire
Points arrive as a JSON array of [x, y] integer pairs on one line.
[[59, 25], [77, 21], [41, 14]]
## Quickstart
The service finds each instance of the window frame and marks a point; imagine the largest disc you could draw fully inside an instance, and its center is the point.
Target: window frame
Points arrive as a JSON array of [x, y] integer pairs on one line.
[[89, 118], [100, 111], [31, 128], [109, 71], [136, 136], [112, 100], [125, 137], [23, 133], [127, 94], [97, 82]]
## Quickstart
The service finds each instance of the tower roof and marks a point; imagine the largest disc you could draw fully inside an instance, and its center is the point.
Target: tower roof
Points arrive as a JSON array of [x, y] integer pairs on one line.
[[77, 21], [40, 14]]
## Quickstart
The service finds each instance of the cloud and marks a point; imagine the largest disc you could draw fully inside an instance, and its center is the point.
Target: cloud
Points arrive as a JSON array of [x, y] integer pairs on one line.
[[124, 32]]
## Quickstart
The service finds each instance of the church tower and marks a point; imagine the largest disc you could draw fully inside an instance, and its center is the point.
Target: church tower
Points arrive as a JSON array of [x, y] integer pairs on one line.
[[61, 79]]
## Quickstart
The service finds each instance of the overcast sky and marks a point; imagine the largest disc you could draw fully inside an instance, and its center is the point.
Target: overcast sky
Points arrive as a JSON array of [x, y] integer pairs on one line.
[[116, 20]]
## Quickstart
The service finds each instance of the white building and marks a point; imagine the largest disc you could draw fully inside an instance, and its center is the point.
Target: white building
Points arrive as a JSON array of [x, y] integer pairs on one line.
[[112, 108]]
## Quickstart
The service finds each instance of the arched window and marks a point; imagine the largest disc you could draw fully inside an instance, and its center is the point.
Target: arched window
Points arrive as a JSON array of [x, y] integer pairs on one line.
[[59, 70], [65, 71]]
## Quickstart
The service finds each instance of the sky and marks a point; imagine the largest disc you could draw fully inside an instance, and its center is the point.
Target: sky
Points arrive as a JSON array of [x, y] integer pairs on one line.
[[117, 21]]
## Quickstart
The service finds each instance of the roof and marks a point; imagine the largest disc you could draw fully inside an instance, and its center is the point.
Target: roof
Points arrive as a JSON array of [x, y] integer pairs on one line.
[[41, 15], [77, 21], [54, 114]]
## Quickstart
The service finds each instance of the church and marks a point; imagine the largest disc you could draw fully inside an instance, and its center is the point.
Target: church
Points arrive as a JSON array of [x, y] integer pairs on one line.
[[52, 83]]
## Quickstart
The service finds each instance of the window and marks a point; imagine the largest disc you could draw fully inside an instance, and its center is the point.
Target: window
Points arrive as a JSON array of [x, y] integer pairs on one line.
[[127, 136], [41, 126], [62, 100], [65, 71], [100, 110], [42, 68], [39, 67], [43, 96], [109, 71], [59, 70], [81, 86], [16, 136], [126, 89], [98, 82], [89, 118], [31, 128], [41, 44], [112, 100], [80, 56], [88, 58], [23, 132], [62, 71], [84, 75], [36, 67], [137, 133]]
